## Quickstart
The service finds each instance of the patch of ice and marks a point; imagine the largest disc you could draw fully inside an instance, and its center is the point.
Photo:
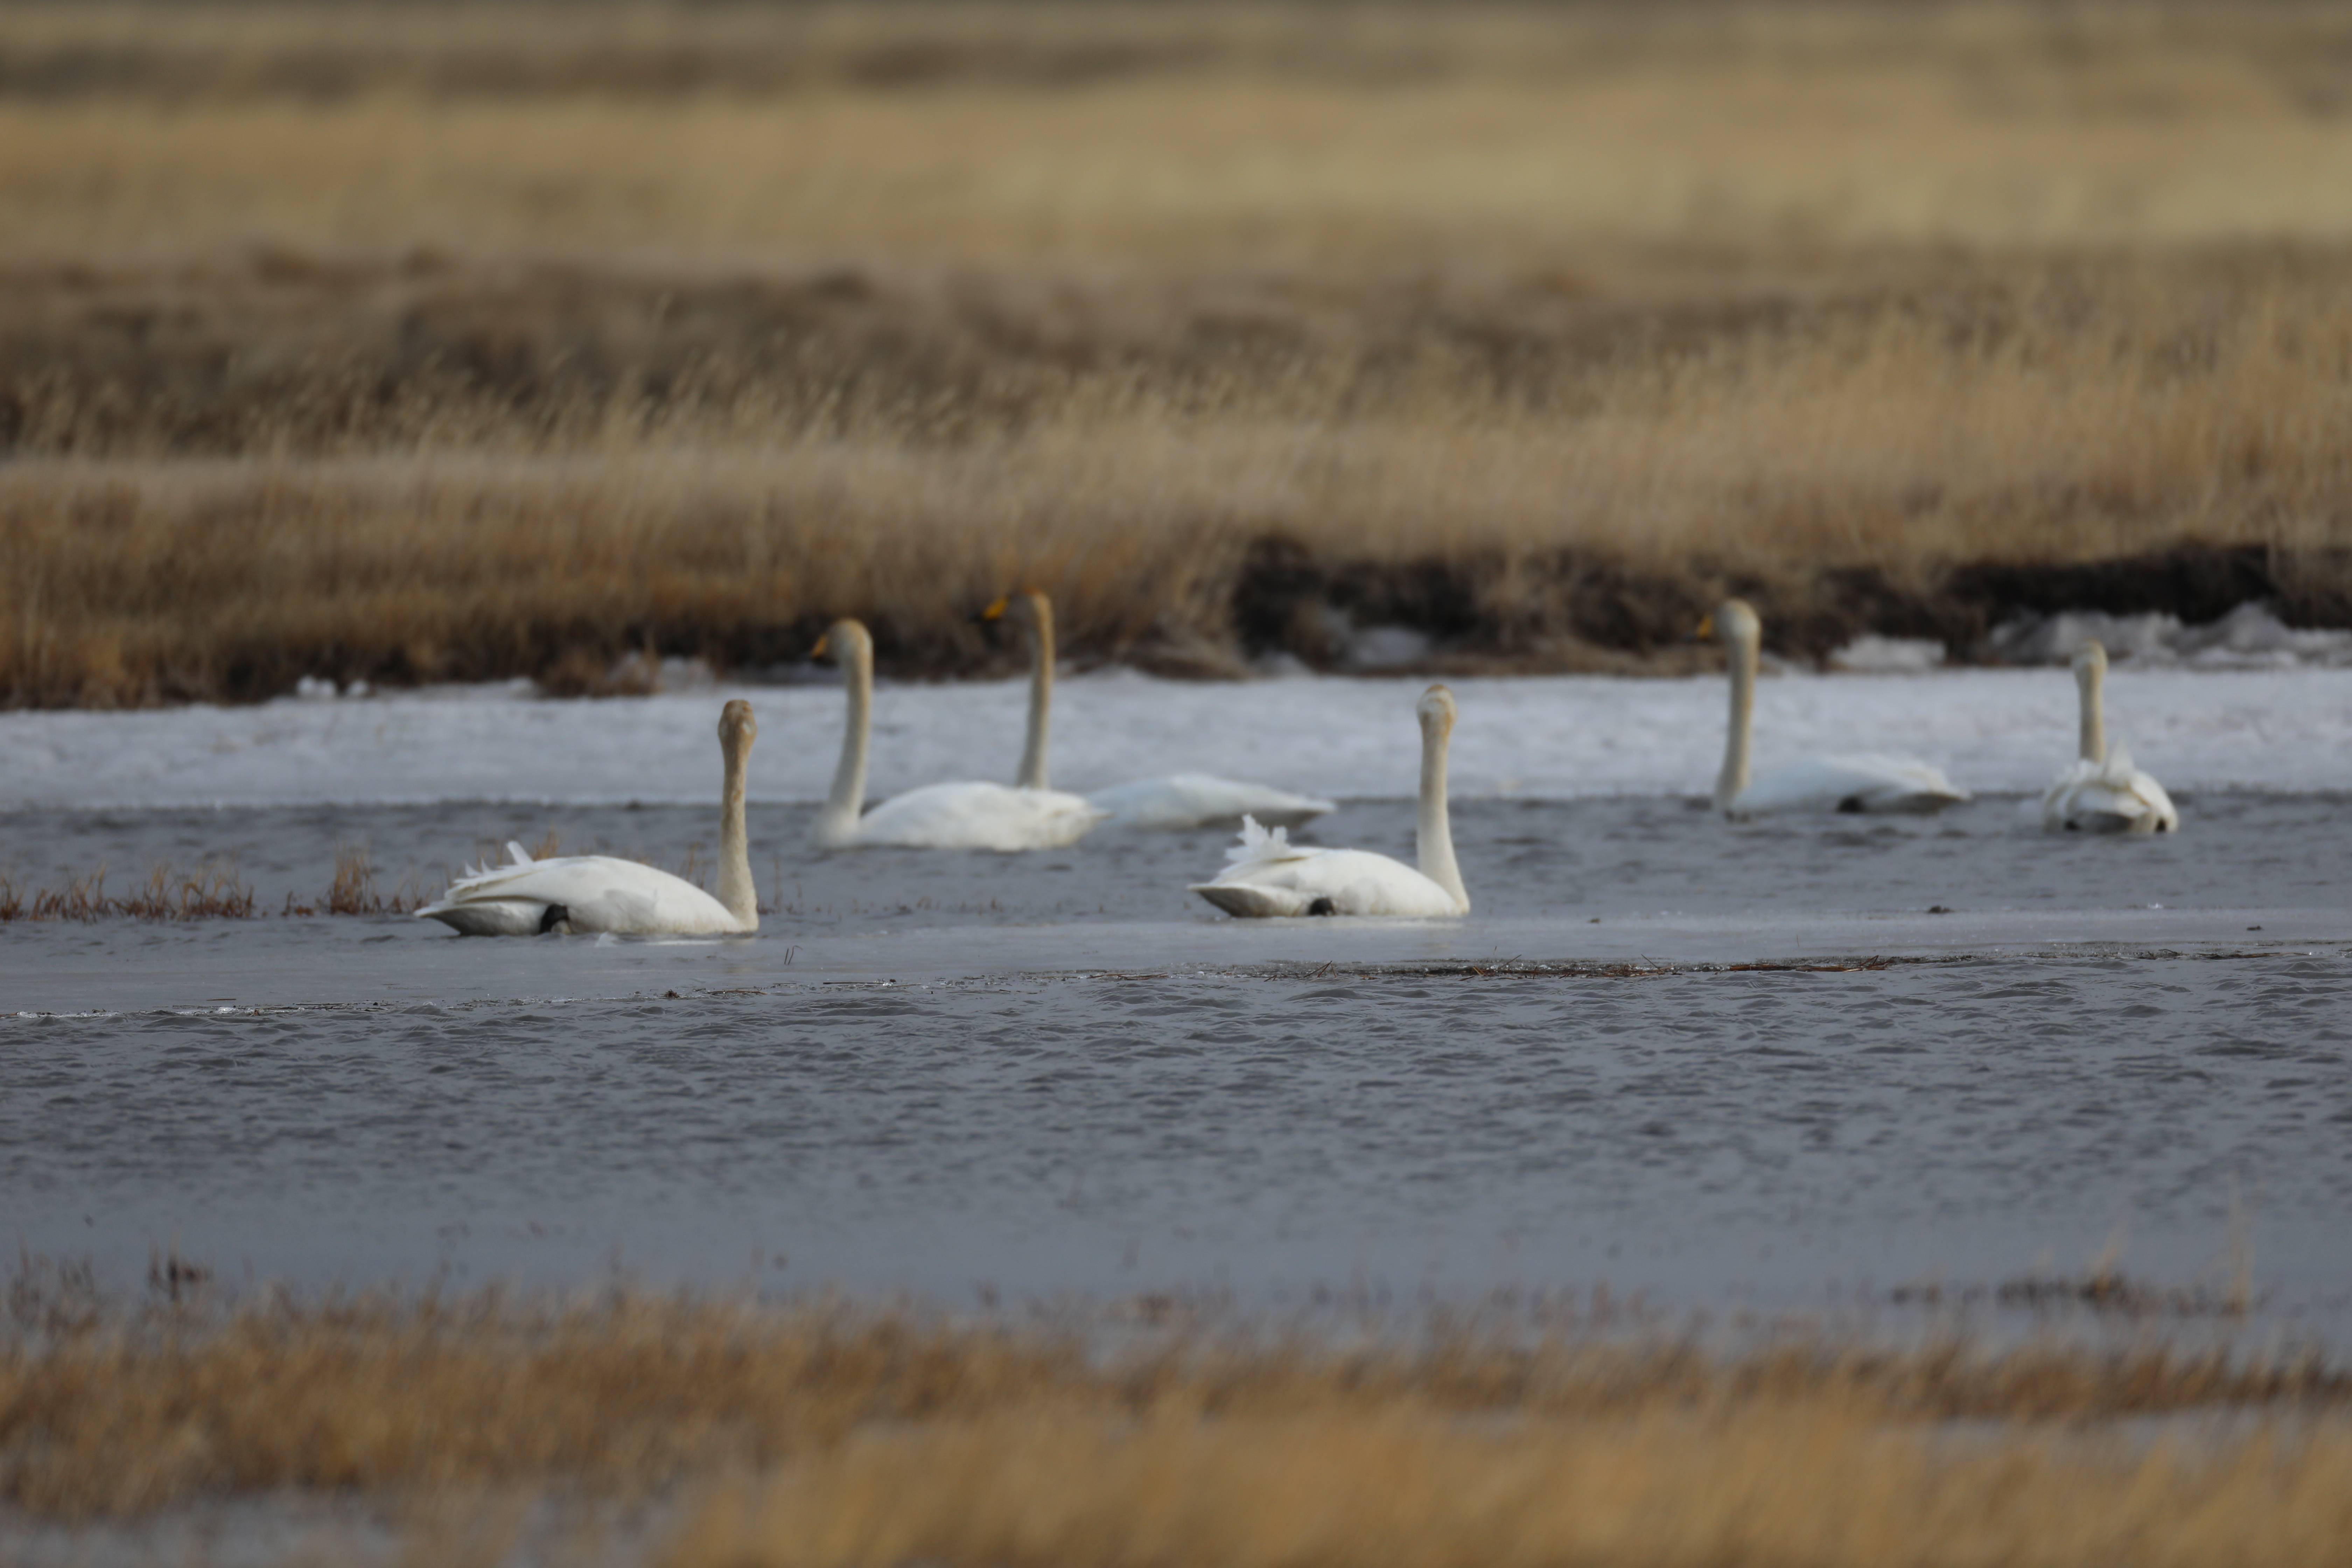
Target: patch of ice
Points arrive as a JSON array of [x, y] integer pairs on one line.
[[2250, 636], [1544, 736], [1875, 655], [1386, 647], [1279, 663], [637, 672]]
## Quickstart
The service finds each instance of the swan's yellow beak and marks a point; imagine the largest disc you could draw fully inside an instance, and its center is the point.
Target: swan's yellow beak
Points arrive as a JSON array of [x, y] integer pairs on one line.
[[1706, 625], [996, 611], [824, 640]]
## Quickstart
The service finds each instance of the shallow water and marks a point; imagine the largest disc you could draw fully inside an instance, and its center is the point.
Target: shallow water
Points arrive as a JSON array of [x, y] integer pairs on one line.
[[1050, 1073], [1522, 859]]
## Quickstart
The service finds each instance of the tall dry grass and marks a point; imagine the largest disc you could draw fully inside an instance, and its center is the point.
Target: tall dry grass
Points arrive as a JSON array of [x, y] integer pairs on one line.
[[1269, 134], [1850, 465], [1818, 1482], [836, 1433], [404, 343]]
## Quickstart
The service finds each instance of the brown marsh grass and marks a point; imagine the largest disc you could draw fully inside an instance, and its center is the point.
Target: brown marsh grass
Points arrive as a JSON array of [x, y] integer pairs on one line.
[[401, 343], [830, 1433], [1167, 136], [212, 891], [1849, 464]]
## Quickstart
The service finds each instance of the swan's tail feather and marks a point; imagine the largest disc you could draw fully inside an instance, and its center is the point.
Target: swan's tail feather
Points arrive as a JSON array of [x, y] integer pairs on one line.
[[519, 856], [1259, 844]]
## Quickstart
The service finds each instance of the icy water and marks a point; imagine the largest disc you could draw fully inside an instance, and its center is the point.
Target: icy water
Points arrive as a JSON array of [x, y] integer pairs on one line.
[[987, 1078]]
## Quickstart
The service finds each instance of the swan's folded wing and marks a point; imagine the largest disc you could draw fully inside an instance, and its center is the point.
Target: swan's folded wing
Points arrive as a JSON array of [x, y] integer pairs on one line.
[[1202, 800], [2112, 797], [1327, 881], [597, 893], [979, 815], [1858, 782]]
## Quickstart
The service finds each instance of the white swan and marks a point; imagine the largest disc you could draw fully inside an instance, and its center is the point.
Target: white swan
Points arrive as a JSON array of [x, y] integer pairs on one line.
[[1176, 802], [1173, 801], [600, 893], [2101, 792], [1862, 781], [942, 815], [1270, 875]]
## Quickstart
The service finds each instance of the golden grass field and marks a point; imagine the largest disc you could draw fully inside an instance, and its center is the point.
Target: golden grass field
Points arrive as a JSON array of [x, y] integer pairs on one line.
[[401, 343], [823, 1434]]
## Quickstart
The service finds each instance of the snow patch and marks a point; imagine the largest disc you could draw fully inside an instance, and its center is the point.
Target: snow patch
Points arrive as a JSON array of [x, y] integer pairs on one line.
[[1875, 655], [2250, 636], [1341, 737]]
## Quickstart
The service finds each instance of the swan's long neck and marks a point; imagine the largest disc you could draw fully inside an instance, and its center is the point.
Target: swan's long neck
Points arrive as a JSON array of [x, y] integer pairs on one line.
[[735, 889], [1041, 693], [1434, 835], [2093, 748], [848, 796], [1734, 777]]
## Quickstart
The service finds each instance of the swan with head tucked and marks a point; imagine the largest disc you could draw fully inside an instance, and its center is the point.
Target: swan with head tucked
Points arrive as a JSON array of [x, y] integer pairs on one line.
[[2101, 792], [600, 893], [1269, 876], [1862, 781], [1172, 802], [973, 816]]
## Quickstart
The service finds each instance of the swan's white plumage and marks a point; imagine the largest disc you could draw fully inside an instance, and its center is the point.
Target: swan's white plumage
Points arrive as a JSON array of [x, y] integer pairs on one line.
[[2100, 791], [1181, 801], [977, 816], [597, 893], [2110, 797], [1860, 781], [1267, 876], [957, 815]]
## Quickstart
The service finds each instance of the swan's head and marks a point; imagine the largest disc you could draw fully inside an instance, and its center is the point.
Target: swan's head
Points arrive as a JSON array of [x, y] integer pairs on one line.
[[846, 643], [1039, 608], [1436, 711], [1734, 623], [2090, 661], [736, 725]]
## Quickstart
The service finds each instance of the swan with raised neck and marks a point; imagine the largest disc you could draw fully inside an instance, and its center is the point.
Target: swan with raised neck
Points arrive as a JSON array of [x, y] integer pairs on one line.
[[2090, 680], [962, 815], [1035, 613], [1267, 876], [603, 894], [1859, 780]]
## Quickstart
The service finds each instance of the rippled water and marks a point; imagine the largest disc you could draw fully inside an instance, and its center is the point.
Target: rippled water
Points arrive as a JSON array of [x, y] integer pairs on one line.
[[372, 1098]]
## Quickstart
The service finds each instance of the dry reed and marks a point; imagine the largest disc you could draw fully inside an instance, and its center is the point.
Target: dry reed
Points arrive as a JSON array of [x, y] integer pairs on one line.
[[410, 344], [211, 891], [875, 1436], [1858, 469]]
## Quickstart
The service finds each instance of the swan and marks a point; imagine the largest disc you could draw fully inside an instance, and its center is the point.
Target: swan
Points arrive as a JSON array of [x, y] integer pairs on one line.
[[1173, 801], [1864, 780], [1268, 875], [1176, 802], [2101, 792], [942, 815], [600, 893]]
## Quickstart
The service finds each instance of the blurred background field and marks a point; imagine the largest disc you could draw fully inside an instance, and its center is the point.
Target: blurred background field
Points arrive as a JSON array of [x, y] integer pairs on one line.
[[401, 342]]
